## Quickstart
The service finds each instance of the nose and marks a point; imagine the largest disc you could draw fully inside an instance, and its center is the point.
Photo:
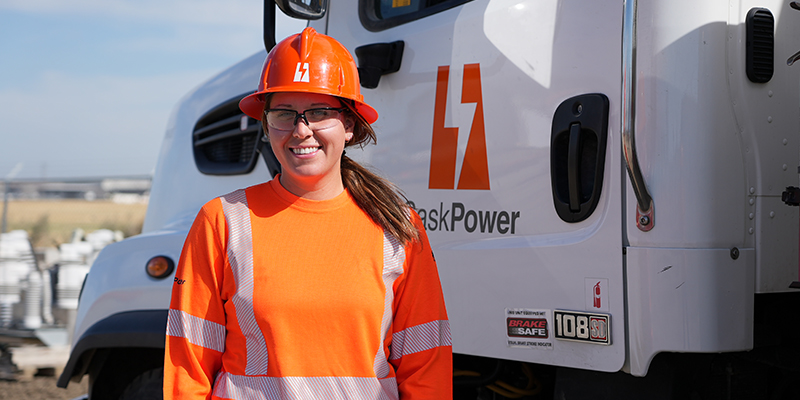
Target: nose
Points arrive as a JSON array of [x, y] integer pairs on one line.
[[301, 129]]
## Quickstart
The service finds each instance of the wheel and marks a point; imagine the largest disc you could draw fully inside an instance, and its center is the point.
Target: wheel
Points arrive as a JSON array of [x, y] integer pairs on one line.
[[147, 386]]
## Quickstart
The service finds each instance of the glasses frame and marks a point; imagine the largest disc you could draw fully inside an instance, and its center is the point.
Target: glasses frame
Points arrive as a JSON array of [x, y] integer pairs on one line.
[[299, 115]]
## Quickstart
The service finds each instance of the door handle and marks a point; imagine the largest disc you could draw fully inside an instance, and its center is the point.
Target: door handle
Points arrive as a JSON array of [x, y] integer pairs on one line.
[[578, 154]]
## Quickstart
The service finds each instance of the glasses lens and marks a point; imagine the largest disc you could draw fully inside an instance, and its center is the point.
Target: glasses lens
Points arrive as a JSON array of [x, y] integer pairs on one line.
[[281, 119], [320, 114]]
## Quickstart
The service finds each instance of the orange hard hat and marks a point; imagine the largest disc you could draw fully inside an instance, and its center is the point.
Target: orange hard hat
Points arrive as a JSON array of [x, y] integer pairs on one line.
[[309, 62]]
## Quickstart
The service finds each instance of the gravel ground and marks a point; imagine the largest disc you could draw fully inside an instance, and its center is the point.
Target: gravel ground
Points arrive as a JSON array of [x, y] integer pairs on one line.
[[41, 388]]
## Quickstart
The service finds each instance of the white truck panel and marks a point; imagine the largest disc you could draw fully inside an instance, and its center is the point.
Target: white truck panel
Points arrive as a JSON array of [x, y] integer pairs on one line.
[[687, 300], [685, 132], [711, 143], [526, 71], [768, 122], [117, 281]]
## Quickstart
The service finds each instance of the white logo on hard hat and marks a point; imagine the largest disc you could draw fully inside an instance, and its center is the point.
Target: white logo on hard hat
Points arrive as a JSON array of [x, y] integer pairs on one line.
[[301, 73]]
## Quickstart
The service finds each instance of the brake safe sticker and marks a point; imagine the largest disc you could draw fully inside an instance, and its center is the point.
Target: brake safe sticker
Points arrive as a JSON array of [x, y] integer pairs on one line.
[[528, 328]]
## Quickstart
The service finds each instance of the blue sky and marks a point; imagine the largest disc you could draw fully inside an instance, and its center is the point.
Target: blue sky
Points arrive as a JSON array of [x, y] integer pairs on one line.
[[87, 86]]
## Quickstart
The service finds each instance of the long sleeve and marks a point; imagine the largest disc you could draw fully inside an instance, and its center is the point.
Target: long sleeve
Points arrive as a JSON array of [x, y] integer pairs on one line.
[[421, 349], [196, 325]]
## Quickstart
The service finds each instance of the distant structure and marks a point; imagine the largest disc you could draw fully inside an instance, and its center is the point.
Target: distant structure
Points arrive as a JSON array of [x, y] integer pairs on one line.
[[119, 189], [39, 297]]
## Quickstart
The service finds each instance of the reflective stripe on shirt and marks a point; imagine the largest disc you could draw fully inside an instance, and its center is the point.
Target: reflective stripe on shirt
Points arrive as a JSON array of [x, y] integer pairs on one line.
[[420, 338], [240, 257], [393, 258], [229, 386], [197, 331]]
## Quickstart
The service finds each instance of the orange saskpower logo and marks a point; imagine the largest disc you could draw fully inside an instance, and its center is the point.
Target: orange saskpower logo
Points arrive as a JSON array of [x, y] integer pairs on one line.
[[444, 146]]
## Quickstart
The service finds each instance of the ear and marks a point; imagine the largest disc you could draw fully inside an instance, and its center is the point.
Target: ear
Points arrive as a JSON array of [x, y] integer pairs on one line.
[[349, 127]]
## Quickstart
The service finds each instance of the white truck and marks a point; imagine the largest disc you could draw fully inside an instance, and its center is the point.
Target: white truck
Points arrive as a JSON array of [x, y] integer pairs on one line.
[[601, 181]]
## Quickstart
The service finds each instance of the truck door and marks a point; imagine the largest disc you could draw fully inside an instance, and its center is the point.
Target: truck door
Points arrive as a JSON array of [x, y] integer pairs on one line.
[[501, 126]]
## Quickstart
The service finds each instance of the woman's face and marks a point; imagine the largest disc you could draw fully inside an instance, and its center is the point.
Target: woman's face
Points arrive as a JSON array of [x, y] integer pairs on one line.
[[310, 156]]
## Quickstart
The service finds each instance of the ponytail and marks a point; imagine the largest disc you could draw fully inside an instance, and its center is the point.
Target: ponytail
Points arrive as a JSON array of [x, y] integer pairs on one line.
[[383, 202], [379, 198]]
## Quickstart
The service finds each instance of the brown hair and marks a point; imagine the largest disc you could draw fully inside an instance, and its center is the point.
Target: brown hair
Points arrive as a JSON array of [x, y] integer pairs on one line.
[[380, 199]]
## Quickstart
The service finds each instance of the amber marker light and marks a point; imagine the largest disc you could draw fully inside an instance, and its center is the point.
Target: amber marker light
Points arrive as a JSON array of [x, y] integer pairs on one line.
[[160, 267]]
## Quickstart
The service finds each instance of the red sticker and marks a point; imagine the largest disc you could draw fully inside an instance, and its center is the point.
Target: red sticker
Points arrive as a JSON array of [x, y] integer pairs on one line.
[[527, 327]]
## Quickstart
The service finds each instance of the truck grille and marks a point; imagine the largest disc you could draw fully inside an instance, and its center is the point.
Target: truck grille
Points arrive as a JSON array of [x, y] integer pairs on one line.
[[226, 141]]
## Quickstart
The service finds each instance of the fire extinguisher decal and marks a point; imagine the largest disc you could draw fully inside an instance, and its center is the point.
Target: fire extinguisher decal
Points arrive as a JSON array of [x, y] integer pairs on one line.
[[597, 301], [596, 294]]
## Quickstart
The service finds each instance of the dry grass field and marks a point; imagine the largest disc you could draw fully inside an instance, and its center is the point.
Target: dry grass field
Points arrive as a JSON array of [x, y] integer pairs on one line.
[[51, 222], [42, 388]]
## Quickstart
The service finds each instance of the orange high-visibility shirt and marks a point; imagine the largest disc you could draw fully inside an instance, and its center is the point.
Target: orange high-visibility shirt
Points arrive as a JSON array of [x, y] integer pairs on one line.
[[279, 297]]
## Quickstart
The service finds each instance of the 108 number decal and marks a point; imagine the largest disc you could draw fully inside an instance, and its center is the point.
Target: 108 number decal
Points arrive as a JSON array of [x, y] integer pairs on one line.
[[583, 327]]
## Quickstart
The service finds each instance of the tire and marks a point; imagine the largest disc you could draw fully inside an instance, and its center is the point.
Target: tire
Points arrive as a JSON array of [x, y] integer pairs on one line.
[[147, 386]]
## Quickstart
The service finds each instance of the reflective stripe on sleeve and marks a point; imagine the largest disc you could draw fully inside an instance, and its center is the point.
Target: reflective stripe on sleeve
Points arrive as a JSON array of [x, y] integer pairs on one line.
[[393, 258], [197, 331], [240, 257], [229, 386], [420, 338]]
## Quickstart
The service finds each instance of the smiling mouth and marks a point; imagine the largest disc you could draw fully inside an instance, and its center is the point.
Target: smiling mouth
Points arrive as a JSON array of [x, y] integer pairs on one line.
[[304, 150]]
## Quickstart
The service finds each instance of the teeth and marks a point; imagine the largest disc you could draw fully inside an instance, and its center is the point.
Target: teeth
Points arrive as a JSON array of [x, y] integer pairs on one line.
[[305, 150]]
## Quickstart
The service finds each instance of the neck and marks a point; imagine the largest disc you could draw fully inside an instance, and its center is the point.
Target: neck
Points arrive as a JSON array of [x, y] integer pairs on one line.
[[324, 189]]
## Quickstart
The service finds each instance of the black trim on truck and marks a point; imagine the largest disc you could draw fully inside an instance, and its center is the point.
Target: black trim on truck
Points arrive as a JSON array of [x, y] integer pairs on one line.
[[132, 329], [379, 15], [225, 141]]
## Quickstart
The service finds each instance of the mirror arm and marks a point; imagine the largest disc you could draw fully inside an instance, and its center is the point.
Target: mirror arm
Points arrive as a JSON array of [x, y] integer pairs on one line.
[[269, 24]]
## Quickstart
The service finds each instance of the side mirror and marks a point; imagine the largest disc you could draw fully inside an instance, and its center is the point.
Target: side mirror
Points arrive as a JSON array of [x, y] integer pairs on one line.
[[303, 9], [298, 9]]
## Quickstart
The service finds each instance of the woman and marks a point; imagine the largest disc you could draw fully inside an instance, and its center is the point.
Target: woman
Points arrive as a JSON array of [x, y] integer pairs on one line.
[[320, 283]]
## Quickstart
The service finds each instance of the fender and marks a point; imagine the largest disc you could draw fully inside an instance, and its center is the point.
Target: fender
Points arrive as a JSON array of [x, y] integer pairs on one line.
[[144, 329]]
